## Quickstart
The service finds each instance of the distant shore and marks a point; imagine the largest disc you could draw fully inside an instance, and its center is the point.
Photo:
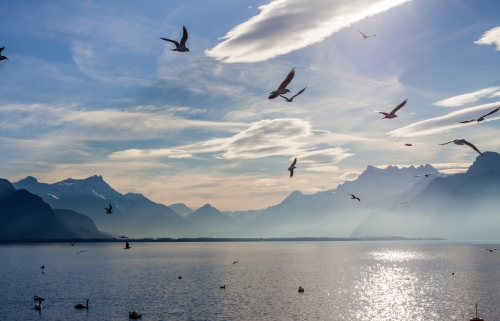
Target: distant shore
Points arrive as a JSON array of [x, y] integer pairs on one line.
[[211, 239]]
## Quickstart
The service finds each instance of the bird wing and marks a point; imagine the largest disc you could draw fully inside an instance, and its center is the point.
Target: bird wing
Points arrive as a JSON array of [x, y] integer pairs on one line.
[[1, 49], [291, 172], [110, 207], [288, 79], [362, 34], [380, 112], [472, 146], [468, 121], [294, 161], [447, 142], [300, 92], [492, 112], [399, 107], [283, 97], [173, 41], [374, 35], [184, 36]]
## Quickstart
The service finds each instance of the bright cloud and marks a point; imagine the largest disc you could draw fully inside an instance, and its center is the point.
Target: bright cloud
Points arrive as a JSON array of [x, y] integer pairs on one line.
[[283, 26], [446, 122], [490, 37], [471, 97]]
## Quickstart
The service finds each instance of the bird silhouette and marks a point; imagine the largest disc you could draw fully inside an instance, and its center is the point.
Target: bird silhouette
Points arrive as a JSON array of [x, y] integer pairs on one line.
[[292, 167], [180, 277], [72, 244], [127, 246], [491, 250], [363, 36], [291, 99], [282, 88], [37, 298], [463, 142], [301, 289], [427, 175], [108, 209], [408, 144], [480, 119], [2, 57], [134, 315], [83, 306], [235, 262], [42, 267], [354, 197], [392, 114], [222, 286], [180, 47], [81, 251]]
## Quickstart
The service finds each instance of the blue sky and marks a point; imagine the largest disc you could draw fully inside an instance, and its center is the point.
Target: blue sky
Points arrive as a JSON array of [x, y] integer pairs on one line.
[[90, 88]]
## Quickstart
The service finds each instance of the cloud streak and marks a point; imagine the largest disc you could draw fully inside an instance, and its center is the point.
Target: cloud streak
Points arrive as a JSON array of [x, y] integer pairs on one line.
[[471, 97], [490, 37], [283, 26]]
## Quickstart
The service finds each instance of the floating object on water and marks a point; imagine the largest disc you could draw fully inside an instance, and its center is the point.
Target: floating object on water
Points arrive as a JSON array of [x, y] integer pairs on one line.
[[127, 246], [134, 315], [476, 318], [39, 299], [38, 306], [222, 287], [301, 289], [83, 306]]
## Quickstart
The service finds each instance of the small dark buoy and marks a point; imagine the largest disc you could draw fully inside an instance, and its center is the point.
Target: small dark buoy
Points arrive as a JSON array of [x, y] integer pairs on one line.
[[476, 318], [134, 315], [180, 277], [453, 273], [301, 289]]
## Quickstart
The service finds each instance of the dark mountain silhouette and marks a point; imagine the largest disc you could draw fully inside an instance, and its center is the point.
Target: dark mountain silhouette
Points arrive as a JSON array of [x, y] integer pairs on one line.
[[458, 206], [80, 224], [26, 216], [212, 220], [133, 214], [181, 209]]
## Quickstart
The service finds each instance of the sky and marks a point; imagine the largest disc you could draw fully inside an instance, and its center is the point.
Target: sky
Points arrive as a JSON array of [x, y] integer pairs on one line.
[[91, 89]]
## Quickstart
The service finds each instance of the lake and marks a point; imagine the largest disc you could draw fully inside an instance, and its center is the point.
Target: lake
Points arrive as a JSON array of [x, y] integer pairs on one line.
[[366, 281]]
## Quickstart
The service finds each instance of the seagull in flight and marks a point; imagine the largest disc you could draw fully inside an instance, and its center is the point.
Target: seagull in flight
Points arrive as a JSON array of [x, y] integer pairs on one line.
[[392, 114], [235, 262], [463, 142], [480, 119], [354, 197], [2, 57], [181, 47], [108, 210], [427, 175], [365, 36], [291, 99], [408, 144], [124, 237], [292, 167], [282, 88], [72, 244], [491, 250], [81, 251]]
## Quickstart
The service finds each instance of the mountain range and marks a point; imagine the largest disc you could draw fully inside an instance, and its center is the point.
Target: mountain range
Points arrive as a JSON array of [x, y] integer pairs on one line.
[[393, 202]]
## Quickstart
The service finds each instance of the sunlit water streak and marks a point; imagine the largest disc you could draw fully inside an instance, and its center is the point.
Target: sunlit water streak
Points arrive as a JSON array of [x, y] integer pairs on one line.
[[342, 281]]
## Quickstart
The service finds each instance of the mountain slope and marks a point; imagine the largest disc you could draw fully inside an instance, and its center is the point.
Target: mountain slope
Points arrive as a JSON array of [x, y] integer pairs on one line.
[[181, 209], [80, 224], [133, 214], [26, 216], [212, 220]]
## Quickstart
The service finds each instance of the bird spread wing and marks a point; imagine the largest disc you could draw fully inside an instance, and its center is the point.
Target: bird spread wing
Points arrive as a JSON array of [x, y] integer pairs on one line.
[[110, 207], [447, 142], [288, 79], [467, 121], [184, 36], [294, 161], [173, 41], [362, 34], [492, 112], [1, 49], [283, 97], [472, 146], [291, 172], [399, 107], [300, 92]]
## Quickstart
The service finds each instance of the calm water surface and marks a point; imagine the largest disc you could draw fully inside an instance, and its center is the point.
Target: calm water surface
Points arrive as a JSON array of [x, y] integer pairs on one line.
[[342, 280]]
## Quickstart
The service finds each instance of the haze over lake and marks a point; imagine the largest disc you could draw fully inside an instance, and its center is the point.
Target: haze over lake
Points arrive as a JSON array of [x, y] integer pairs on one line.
[[342, 281]]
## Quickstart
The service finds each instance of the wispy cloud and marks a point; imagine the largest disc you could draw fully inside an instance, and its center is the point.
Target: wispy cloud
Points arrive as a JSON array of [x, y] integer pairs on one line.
[[446, 122], [283, 26], [467, 98], [490, 37]]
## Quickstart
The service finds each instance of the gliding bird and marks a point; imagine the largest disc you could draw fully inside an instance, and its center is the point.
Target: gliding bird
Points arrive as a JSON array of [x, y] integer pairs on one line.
[[365, 36], [2, 57], [292, 167], [291, 99], [427, 175], [408, 144], [491, 250], [480, 119], [463, 142], [82, 251], [282, 88], [181, 47], [108, 209], [392, 114], [354, 197]]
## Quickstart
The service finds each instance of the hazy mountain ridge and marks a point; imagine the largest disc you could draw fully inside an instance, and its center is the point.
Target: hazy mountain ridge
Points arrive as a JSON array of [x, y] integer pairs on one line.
[[181, 209], [212, 220]]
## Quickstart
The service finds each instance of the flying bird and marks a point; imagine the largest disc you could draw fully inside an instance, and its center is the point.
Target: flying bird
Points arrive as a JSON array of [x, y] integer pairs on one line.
[[282, 88], [408, 144], [480, 119], [235, 262], [2, 57], [365, 36], [72, 244], [392, 114], [427, 175], [491, 250], [181, 47], [124, 237], [463, 142], [81, 251], [127, 246], [354, 197], [291, 99], [108, 209], [83, 306], [292, 167], [42, 267]]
